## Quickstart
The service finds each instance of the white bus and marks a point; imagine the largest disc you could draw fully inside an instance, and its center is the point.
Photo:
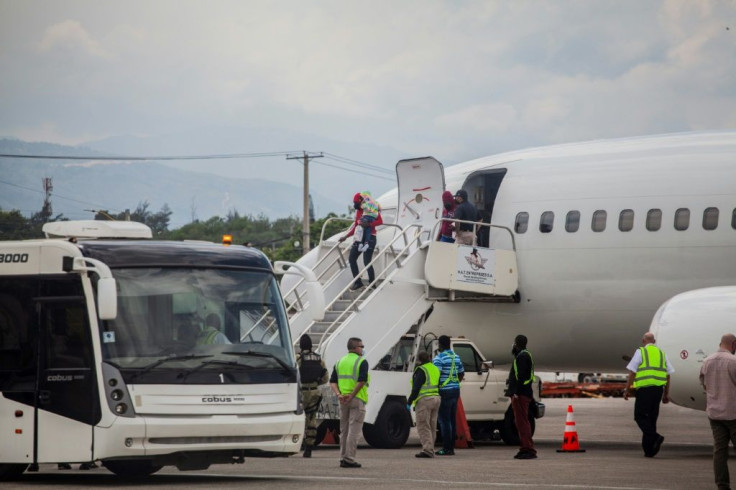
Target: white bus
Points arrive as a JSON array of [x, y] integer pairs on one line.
[[141, 353]]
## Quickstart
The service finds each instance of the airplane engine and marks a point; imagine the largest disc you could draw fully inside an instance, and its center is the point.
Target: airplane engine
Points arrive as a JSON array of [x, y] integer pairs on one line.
[[688, 327]]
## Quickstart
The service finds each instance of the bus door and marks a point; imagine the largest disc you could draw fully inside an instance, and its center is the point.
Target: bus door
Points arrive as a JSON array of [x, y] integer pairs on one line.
[[67, 400]]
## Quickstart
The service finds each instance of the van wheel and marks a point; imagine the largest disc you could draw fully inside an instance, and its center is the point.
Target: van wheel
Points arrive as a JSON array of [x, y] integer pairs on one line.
[[132, 468], [391, 429], [9, 472], [507, 428]]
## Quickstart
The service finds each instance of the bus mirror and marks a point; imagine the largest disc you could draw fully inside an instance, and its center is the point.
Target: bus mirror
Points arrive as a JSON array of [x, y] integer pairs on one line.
[[107, 298], [316, 301], [315, 294]]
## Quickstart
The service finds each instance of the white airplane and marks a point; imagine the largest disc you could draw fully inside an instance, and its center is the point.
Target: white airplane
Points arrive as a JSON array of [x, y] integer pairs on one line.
[[605, 232]]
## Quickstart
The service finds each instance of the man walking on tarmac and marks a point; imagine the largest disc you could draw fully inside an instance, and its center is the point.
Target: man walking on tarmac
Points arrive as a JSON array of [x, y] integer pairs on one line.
[[451, 373], [520, 391], [718, 377], [649, 374], [312, 373], [425, 397], [349, 380]]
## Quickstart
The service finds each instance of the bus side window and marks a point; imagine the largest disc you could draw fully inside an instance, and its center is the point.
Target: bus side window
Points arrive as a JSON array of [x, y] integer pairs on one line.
[[17, 334]]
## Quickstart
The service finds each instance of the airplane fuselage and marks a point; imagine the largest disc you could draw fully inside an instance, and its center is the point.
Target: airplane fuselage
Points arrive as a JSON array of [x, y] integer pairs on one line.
[[587, 295]]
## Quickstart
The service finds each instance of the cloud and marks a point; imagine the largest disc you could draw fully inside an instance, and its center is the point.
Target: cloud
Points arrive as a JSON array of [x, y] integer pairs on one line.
[[69, 35]]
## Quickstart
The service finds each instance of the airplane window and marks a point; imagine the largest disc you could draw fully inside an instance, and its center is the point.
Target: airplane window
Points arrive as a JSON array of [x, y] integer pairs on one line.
[[572, 221], [546, 221], [522, 222], [626, 220], [682, 219], [654, 219], [733, 219], [710, 218], [599, 220]]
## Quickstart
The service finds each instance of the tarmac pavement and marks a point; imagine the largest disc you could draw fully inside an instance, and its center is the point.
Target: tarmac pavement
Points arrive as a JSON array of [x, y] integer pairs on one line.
[[607, 431]]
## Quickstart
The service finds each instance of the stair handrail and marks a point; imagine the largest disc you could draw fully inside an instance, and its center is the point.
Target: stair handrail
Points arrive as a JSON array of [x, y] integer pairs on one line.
[[349, 308], [340, 260], [476, 225]]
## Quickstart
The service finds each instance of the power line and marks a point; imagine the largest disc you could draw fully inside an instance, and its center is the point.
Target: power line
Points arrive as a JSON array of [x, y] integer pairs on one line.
[[148, 158], [55, 195]]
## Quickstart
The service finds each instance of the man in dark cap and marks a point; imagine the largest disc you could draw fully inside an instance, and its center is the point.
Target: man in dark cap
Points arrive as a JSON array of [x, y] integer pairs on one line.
[[312, 372], [520, 391], [464, 211]]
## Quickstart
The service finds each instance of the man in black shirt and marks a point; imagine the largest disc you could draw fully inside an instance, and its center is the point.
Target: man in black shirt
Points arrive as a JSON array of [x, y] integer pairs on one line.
[[464, 211]]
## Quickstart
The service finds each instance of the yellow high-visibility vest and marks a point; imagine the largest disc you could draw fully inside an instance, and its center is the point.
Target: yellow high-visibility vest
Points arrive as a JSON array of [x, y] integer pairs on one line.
[[348, 369], [653, 368], [431, 386]]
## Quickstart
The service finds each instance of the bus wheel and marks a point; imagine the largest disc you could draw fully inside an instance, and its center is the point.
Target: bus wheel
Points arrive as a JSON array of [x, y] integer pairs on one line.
[[133, 468], [10, 472], [507, 428], [391, 429]]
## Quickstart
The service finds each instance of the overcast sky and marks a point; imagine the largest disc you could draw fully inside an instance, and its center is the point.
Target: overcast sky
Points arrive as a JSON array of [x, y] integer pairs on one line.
[[455, 79]]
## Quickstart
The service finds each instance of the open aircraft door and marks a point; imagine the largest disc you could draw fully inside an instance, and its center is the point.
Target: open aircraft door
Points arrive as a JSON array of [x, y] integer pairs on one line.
[[421, 183]]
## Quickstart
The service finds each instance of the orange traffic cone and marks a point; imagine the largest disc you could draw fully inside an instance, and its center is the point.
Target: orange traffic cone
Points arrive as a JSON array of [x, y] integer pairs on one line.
[[330, 437], [570, 441], [463, 439]]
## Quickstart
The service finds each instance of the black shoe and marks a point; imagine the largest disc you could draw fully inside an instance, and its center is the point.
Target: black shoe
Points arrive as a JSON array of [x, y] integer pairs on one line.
[[446, 452], [307, 452], [526, 456], [657, 446], [422, 454], [64, 466], [356, 286], [88, 466], [516, 456], [349, 464]]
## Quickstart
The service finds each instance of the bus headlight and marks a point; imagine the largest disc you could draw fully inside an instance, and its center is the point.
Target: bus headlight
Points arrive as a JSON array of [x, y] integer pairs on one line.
[[116, 393]]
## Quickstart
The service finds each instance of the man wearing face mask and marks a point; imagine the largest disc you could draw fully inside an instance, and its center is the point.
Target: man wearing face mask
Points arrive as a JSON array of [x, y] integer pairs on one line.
[[356, 250], [448, 213], [521, 378]]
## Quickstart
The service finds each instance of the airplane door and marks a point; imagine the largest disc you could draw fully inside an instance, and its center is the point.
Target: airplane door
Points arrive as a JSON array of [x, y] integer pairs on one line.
[[67, 398], [421, 183]]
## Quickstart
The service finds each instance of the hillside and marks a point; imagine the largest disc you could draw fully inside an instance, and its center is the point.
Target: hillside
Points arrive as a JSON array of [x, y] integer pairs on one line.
[[116, 186]]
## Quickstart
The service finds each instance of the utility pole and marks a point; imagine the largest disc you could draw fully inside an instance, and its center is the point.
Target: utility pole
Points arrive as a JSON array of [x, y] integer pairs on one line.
[[306, 156]]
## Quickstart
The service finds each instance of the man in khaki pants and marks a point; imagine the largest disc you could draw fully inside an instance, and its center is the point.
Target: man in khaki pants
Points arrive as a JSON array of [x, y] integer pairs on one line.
[[349, 381], [425, 396]]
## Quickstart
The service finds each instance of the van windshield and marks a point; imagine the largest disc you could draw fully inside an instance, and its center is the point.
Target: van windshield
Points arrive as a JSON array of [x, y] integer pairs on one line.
[[188, 325]]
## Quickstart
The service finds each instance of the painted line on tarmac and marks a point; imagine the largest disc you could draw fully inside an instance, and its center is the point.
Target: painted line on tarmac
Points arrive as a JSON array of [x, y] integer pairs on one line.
[[439, 482]]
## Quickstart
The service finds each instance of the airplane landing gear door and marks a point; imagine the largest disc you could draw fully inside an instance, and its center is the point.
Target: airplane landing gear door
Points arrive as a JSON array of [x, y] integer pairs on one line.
[[421, 183]]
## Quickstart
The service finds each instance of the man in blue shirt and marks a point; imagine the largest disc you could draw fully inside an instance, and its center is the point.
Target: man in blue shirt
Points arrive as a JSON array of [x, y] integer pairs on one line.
[[451, 373]]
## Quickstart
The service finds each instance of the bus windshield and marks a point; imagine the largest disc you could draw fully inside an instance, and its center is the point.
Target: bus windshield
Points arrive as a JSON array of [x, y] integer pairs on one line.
[[187, 325]]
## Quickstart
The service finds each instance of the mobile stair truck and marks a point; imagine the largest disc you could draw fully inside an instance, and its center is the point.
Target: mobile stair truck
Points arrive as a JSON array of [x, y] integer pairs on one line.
[[414, 272], [140, 353]]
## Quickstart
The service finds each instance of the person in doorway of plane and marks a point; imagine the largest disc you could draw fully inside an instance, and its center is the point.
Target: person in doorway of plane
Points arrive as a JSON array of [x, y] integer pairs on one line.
[[448, 212]]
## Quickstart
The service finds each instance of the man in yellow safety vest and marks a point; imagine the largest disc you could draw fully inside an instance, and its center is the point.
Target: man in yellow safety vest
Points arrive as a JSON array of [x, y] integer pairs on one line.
[[649, 375], [425, 397], [349, 381]]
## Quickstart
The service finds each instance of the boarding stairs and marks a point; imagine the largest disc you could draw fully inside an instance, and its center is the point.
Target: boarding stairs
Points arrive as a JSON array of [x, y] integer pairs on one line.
[[412, 273]]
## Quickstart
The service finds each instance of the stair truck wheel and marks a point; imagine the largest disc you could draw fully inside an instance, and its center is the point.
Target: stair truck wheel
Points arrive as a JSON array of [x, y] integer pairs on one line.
[[507, 428], [132, 468], [9, 472], [392, 426]]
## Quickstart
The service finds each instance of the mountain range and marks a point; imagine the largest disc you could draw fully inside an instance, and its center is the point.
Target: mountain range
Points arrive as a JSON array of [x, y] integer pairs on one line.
[[193, 189]]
